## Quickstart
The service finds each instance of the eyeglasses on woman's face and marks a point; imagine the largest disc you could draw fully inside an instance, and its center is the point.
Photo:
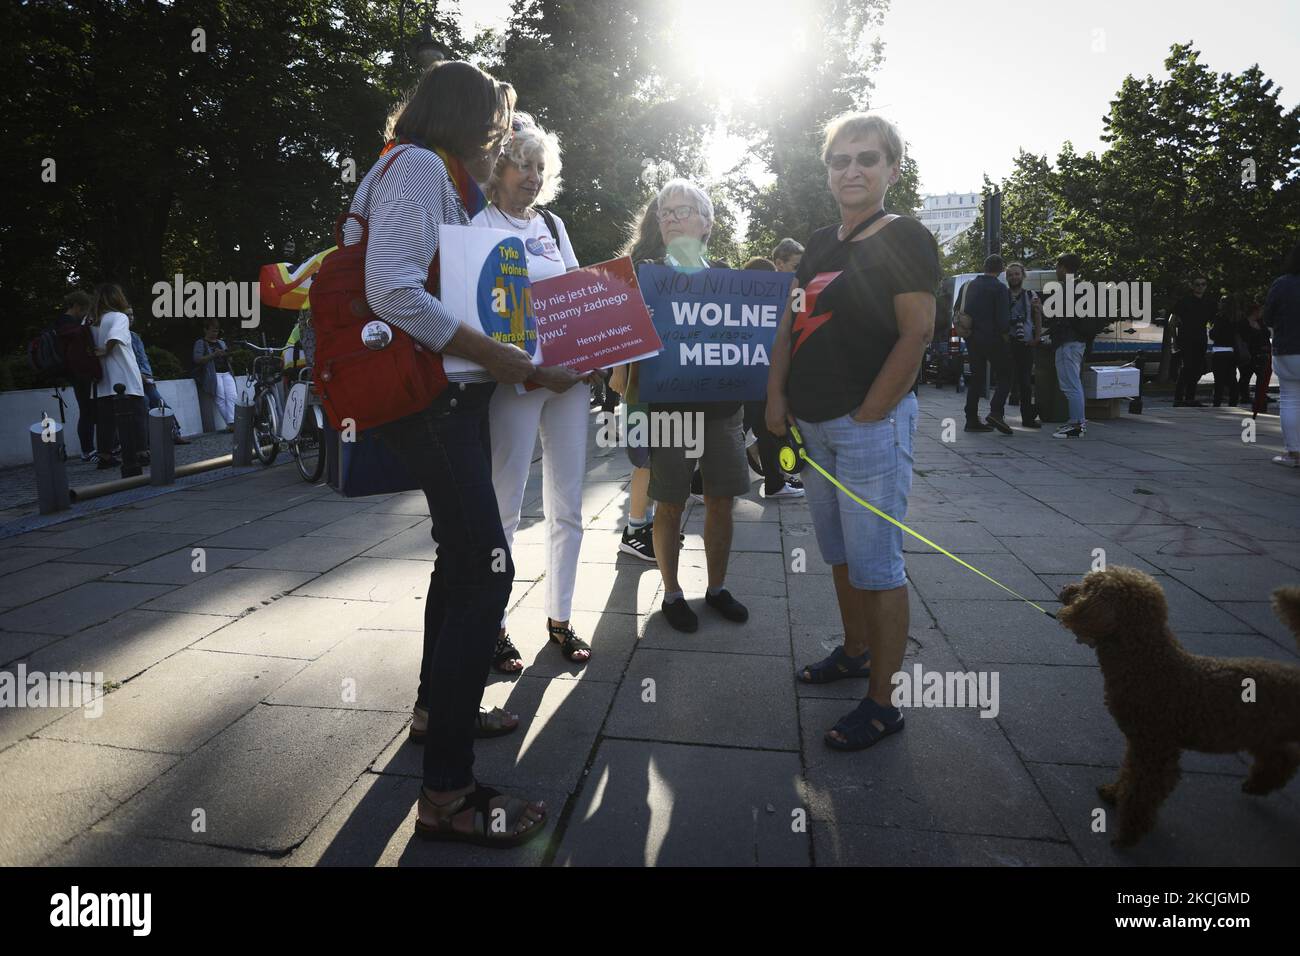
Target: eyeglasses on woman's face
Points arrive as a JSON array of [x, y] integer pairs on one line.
[[866, 159], [678, 213]]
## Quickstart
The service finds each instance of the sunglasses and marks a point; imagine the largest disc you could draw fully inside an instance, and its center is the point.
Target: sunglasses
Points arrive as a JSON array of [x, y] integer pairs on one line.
[[680, 213], [866, 159]]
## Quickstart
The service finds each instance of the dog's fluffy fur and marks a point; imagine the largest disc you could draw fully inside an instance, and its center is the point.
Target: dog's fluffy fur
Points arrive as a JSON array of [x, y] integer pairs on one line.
[[1166, 700]]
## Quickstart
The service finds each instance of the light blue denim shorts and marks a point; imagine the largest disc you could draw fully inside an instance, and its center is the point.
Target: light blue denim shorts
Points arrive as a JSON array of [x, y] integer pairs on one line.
[[874, 461]]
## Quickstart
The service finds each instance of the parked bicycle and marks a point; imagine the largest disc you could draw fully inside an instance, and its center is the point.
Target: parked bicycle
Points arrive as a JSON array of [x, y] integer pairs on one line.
[[295, 421]]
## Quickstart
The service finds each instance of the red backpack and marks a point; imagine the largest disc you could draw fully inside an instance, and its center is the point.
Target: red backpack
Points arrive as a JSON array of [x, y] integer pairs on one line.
[[77, 345], [377, 376]]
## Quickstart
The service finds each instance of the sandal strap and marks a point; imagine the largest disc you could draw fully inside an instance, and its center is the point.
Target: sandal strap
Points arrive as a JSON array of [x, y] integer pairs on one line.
[[570, 642], [505, 650]]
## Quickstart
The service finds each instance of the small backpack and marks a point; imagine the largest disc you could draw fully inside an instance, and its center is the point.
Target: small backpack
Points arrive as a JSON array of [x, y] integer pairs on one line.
[[365, 369], [77, 346], [45, 355]]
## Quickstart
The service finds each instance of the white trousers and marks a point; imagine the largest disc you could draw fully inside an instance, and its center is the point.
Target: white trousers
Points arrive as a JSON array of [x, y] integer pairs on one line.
[[225, 396], [562, 420]]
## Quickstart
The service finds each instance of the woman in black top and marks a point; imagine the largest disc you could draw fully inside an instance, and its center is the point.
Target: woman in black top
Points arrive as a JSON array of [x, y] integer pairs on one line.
[[844, 370]]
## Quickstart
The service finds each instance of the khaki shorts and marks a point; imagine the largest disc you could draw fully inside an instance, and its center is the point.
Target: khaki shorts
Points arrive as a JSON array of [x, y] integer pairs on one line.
[[723, 465]]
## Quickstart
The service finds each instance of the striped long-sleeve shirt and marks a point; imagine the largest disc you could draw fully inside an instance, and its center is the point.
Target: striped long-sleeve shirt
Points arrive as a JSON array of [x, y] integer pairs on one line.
[[415, 197]]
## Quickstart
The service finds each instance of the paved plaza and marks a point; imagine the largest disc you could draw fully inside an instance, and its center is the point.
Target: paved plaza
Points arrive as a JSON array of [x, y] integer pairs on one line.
[[257, 711]]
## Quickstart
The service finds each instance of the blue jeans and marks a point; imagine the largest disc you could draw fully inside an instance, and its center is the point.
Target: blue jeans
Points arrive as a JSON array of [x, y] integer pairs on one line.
[[874, 461], [1069, 365], [447, 449]]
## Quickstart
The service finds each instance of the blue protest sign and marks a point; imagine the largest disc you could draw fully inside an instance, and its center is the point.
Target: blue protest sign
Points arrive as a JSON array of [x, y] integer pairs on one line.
[[717, 328]]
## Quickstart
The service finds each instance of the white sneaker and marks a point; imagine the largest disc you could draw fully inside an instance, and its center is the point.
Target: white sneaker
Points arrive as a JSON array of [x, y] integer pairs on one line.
[[1286, 461], [786, 491], [1070, 430]]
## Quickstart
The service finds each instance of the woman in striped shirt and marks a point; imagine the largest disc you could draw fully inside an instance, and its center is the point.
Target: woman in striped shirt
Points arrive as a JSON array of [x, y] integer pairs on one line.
[[450, 132]]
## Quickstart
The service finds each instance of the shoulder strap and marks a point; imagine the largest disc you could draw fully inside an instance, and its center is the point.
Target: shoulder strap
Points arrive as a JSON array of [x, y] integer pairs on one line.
[[863, 225], [550, 224]]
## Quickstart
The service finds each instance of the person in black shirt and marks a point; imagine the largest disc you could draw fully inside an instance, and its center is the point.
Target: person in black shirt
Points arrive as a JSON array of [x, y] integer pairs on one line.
[[75, 305], [1194, 313], [844, 371], [988, 302], [1223, 351]]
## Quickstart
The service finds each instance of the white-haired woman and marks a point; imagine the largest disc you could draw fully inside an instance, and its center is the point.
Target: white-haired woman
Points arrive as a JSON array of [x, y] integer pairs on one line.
[[685, 216], [526, 176]]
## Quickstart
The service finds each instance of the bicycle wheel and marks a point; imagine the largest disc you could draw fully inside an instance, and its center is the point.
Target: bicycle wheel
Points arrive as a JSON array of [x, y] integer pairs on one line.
[[266, 426], [307, 450]]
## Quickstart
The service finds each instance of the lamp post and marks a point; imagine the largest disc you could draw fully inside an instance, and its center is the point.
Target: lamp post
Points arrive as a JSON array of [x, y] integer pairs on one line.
[[427, 50]]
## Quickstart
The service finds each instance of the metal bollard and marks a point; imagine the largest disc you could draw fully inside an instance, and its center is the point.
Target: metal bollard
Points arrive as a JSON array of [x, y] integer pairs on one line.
[[162, 451], [48, 455], [124, 411], [243, 453]]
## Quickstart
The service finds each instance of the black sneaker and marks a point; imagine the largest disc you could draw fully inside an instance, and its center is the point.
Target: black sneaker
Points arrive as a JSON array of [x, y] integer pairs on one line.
[[1000, 424], [680, 616], [727, 606], [978, 426], [1032, 423], [639, 543]]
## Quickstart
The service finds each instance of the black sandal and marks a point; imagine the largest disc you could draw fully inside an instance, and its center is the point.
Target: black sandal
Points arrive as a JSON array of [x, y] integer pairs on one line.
[[505, 653], [570, 643]]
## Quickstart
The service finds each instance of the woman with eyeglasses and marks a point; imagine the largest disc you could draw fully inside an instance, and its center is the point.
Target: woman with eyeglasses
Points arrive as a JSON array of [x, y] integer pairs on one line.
[[844, 372], [524, 179], [685, 219], [444, 140]]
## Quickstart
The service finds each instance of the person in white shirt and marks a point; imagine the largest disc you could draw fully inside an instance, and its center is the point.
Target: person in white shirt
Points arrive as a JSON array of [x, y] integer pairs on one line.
[[526, 176], [112, 332]]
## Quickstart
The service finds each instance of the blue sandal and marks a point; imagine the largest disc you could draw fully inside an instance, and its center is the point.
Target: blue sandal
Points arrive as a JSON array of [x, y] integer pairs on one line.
[[836, 667], [865, 725]]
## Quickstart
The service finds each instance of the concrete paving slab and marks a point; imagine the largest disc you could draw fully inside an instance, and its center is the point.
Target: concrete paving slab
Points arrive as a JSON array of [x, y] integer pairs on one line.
[[305, 554], [1260, 616], [295, 627], [413, 544], [811, 644], [16, 559], [51, 790], [1059, 715], [132, 550], [258, 534], [371, 579], [94, 532], [33, 583], [368, 527], [673, 805], [17, 646], [707, 698], [858, 845], [621, 589], [1008, 633], [96, 849], [231, 592], [767, 632], [1240, 577], [1073, 555], [367, 670], [1207, 821], [178, 704], [265, 782], [745, 536], [1188, 611], [938, 578], [907, 780], [178, 566], [126, 645], [80, 607]]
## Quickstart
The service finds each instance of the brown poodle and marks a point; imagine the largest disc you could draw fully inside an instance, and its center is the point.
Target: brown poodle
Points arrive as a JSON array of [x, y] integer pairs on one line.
[[1166, 700]]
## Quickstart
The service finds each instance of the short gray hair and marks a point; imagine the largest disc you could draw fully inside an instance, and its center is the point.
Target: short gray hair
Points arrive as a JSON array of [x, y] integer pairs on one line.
[[528, 141], [684, 187], [860, 125], [786, 249]]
